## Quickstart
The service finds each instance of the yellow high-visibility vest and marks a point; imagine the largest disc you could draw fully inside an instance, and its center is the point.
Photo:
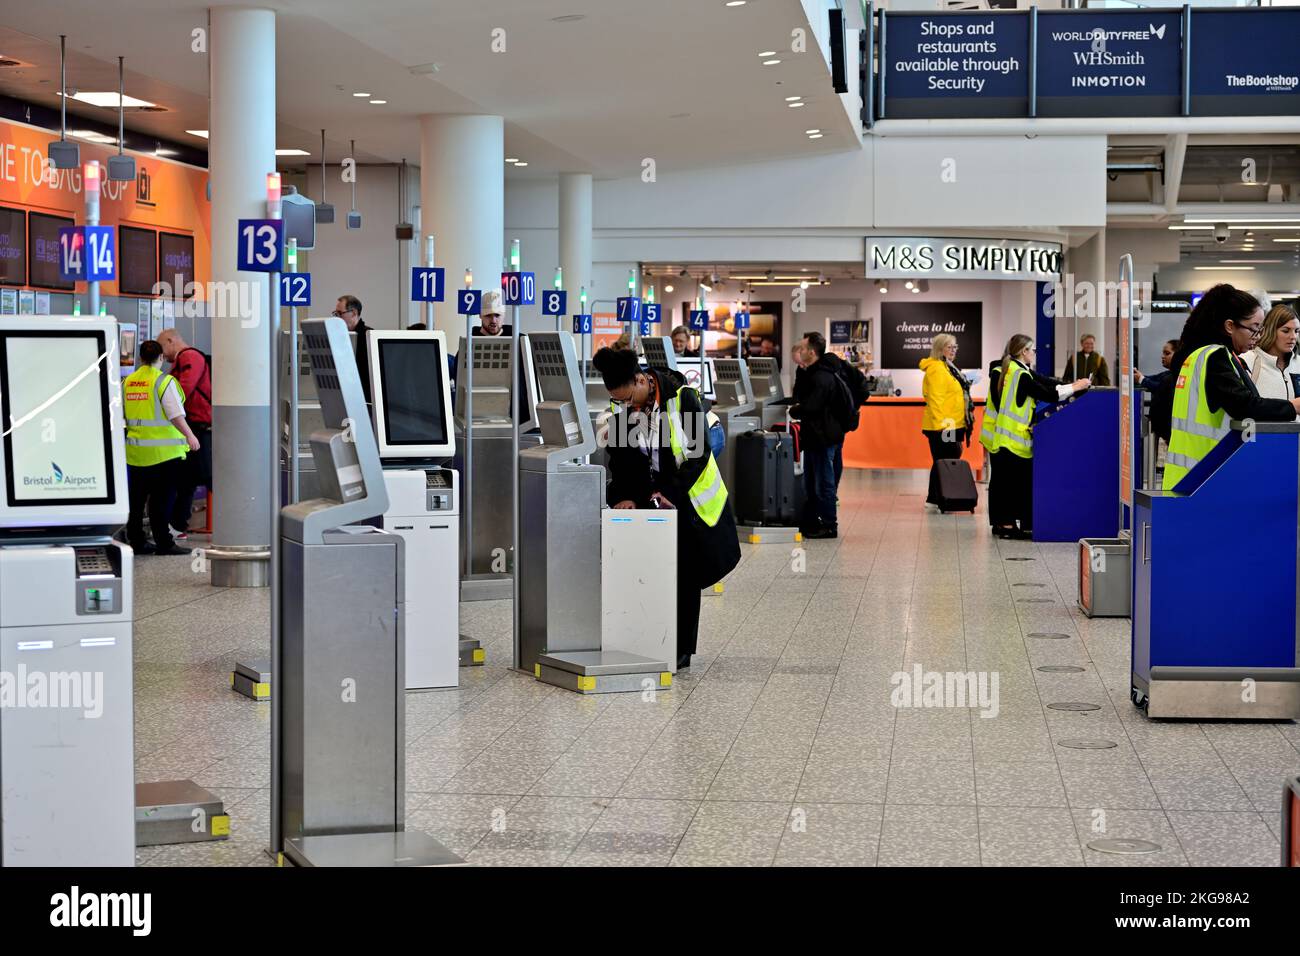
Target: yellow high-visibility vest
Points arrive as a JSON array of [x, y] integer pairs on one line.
[[708, 494], [150, 438], [1195, 429], [1012, 429], [988, 430]]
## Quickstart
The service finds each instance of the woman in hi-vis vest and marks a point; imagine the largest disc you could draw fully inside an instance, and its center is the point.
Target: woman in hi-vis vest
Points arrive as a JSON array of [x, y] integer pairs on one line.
[[1214, 385], [659, 457], [1015, 392]]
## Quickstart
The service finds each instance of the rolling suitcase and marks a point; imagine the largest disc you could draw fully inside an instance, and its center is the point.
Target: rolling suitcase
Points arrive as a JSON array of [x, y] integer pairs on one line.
[[952, 485], [767, 491]]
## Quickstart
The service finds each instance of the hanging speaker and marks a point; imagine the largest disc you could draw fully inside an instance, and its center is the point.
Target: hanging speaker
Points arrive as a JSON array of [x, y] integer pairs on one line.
[[324, 213], [121, 169]]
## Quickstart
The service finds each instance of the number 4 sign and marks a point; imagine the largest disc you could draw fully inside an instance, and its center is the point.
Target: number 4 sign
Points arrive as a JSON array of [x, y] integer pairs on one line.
[[261, 245]]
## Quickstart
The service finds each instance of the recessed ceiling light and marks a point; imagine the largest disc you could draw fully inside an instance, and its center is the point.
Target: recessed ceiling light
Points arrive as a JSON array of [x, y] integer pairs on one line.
[[107, 100], [378, 102], [1255, 261], [791, 99], [768, 53], [794, 106], [200, 133], [668, 288], [520, 165], [93, 137], [735, 3], [363, 94], [812, 132], [1223, 268], [771, 62], [292, 152], [815, 136], [569, 18], [512, 159], [1286, 240]]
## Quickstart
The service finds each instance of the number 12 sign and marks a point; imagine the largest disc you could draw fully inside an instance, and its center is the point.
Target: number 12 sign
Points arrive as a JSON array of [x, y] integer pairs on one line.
[[295, 288], [261, 245]]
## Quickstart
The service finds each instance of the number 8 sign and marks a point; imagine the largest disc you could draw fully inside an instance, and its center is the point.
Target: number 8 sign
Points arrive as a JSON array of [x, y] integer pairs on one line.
[[554, 302], [261, 246]]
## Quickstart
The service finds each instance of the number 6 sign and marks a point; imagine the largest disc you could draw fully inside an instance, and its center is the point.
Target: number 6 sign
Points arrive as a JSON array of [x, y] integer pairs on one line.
[[261, 245]]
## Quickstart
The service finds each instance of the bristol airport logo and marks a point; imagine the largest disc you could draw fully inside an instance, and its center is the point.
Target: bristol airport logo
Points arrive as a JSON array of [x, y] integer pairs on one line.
[[58, 472], [59, 480]]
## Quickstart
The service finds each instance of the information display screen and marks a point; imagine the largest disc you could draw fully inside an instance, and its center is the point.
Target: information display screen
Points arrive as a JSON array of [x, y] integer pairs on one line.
[[176, 262], [699, 374], [43, 251], [138, 258], [13, 246], [908, 328], [55, 397], [412, 371]]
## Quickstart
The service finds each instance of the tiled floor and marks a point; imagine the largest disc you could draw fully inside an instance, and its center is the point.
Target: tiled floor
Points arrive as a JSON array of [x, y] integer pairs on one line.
[[781, 744]]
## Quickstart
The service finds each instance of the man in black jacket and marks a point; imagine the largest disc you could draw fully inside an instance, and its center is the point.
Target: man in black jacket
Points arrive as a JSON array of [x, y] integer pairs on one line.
[[821, 404], [348, 308]]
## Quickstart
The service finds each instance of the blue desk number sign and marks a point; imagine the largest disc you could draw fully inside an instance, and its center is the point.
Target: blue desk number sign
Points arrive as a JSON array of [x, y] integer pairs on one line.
[[582, 325], [469, 302], [629, 309], [426, 284], [742, 320], [699, 320], [295, 288], [518, 288], [554, 302], [652, 311], [72, 254], [261, 245], [647, 327]]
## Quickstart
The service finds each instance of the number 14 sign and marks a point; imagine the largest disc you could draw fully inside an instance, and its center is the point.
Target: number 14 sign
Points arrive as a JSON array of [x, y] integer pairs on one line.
[[86, 254]]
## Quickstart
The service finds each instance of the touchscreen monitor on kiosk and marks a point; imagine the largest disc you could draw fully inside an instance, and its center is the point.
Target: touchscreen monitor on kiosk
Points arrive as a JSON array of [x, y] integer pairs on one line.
[[411, 394], [62, 458]]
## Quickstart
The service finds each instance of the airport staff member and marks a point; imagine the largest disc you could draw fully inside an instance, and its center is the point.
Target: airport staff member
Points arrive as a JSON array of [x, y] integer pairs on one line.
[[1015, 392], [190, 368], [1274, 367], [157, 440], [1090, 362], [659, 457], [1213, 383], [348, 308]]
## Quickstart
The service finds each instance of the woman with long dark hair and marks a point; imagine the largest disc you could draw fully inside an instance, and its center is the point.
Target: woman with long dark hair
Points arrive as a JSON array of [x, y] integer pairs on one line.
[[659, 457], [1213, 384], [1015, 392]]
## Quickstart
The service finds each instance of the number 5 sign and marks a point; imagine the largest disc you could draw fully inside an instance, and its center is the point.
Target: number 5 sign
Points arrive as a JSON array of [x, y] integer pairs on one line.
[[261, 245]]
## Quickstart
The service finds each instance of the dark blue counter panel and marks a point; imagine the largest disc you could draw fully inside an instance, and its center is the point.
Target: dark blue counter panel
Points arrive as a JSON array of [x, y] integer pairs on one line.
[[1076, 469]]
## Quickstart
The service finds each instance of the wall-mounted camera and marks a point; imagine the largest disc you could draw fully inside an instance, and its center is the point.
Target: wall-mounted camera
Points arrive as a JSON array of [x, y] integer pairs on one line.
[[1221, 232]]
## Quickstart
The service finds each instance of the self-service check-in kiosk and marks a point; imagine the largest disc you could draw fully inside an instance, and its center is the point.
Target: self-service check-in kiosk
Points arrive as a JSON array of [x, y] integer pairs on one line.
[[411, 401], [338, 748], [558, 625], [1200, 651], [66, 756], [735, 408], [483, 419], [765, 379], [309, 418], [659, 354]]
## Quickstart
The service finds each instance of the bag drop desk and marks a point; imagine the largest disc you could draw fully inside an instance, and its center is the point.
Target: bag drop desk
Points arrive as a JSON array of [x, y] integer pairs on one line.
[[1195, 643], [1076, 468]]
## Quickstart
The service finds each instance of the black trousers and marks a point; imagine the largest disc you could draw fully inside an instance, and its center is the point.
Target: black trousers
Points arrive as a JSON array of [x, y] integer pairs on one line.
[[1011, 491], [152, 486], [194, 472], [939, 448], [688, 616]]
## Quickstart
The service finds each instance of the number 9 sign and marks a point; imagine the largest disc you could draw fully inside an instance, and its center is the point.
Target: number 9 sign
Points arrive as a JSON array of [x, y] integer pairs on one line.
[[261, 245]]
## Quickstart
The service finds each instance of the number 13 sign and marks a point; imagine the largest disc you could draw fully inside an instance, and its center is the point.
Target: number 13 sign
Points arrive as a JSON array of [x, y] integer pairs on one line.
[[261, 245]]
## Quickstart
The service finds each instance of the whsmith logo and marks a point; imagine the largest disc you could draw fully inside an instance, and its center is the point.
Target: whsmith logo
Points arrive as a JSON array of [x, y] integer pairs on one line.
[[59, 480], [1278, 83]]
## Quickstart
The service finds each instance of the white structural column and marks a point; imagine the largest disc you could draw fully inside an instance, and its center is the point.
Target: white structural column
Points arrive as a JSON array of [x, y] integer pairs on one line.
[[575, 237], [241, 151], [462, 204]]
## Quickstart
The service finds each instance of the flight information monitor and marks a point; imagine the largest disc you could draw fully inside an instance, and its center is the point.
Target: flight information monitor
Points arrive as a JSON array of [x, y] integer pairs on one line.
[[13, 246], [176, 262], [43, 251], [138, 260], [411, 393], [63, 462]]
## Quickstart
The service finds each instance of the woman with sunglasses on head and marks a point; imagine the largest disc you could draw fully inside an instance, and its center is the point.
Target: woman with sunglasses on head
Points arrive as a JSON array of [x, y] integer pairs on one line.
[[1213, 384], [1008, 433], [659, 457]]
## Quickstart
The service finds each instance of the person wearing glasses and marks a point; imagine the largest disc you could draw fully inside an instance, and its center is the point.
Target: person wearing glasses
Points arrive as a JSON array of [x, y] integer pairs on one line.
[[1214, 385], [659, 457], [1274, 366], [949, 412], [1015, 392], [348, 308]]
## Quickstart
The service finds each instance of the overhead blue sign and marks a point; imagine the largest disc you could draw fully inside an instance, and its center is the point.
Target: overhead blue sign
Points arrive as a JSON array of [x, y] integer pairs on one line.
[[1245, 65], [699, 320], [295, 288], [426, 284], [469, 301], [936, 64], [554, 302], [582, 325], [1125, 63]]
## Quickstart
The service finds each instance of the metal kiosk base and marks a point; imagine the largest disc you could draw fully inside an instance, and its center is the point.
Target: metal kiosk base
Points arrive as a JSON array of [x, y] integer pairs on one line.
[[1216, 693], [178, 811], [763, 534], [399, 848], [602, 672], [471, 652], [487, 587], [252, 679]]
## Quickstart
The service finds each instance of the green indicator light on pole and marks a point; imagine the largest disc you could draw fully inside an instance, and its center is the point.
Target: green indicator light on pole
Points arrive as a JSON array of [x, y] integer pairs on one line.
[[631, 281], [514, 255], [76, 307], [291, 253], [582, 297], [559, 277], [650, 295]]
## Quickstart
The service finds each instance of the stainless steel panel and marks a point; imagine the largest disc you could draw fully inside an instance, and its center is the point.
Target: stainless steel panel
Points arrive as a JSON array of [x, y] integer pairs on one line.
[[489, 553], [403, 848], [178, 811], [1212, 699]]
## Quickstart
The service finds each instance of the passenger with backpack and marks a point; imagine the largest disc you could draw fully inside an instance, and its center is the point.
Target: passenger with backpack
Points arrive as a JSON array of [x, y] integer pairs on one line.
[[192, 369], [859, 392], [824, 407]]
